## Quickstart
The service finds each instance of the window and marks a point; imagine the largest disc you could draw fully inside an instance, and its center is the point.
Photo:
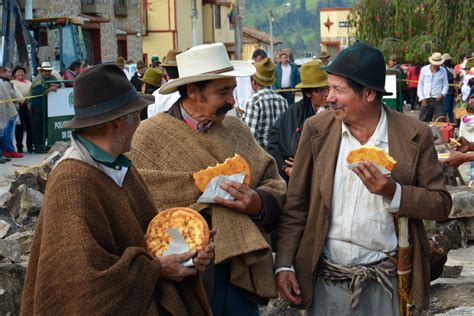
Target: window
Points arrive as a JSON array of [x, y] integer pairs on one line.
[[217, 16]]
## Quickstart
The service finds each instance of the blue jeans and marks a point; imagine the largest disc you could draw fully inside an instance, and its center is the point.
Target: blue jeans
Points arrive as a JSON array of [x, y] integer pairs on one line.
[[6, 143], [448, 106], [227, 299]]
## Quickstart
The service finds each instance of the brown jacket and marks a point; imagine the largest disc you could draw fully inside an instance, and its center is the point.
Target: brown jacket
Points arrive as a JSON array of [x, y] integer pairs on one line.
[[306, 215]]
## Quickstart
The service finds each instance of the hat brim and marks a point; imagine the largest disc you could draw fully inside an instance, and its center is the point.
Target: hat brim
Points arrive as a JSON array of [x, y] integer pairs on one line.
[[149, 82], [436, 63], [302, 85], [241, 69], [169, 65], [334, 71], [45, 69], [264, 83], [136, 105]]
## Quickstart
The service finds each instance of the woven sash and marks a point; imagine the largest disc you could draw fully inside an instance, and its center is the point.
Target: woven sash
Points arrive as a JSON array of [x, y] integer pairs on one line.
[[382, 272]]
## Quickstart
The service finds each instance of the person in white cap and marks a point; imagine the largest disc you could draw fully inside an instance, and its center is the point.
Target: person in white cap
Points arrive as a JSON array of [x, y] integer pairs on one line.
[[432, 88], [193, 134], [38, 88]]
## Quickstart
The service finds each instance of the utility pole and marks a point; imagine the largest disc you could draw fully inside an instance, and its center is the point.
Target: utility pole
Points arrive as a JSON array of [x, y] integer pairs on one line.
[[237, 31], [194, 17], [271, 35]]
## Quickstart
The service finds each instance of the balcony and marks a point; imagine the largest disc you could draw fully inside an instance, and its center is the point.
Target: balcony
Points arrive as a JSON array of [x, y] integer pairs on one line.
[[94, 7]]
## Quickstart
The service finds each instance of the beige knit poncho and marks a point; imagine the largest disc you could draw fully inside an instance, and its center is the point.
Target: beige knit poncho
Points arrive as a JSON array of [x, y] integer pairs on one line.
[[167, 151]]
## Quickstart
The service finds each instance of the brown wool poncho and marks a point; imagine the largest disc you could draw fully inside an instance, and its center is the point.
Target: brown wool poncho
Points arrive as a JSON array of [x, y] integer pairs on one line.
[[167, 151], [88, 255]]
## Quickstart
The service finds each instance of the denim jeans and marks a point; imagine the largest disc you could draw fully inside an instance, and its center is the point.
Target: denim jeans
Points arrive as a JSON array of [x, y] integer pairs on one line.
[[448, 106], [7, 138], [227, 299]]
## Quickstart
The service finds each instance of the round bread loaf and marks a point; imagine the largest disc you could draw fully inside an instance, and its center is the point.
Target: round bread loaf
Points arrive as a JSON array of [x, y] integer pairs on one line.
[[192, 226]]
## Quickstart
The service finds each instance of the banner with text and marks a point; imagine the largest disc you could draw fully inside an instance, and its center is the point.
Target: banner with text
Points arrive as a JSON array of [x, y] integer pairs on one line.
[[60, 112]]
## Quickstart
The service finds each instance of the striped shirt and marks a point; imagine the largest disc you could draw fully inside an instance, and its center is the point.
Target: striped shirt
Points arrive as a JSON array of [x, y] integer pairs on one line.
[[262, 110]]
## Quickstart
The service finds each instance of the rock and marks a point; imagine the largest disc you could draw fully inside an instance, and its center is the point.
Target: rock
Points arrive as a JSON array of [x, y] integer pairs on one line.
[[42, 169], [463, 201], [9, 251], [452, 272], [25, 239], [7, 219], [30, 181], [460, 311], [12, 277], [446, 297], [4, 228], [441, 243], [25, 204], [430, 228], [278, 307], [59, 147], [467, 226]]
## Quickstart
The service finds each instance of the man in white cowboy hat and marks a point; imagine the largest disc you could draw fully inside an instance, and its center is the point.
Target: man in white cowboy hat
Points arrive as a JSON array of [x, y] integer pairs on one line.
[[285, 134], [39, 87], [164, 101], [195, 133], [432, 88], [265, 106], [88, 254]]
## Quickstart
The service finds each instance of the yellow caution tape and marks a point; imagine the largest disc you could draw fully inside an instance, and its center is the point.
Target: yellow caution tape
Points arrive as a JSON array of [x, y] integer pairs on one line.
[[21, 99], [451, 84]]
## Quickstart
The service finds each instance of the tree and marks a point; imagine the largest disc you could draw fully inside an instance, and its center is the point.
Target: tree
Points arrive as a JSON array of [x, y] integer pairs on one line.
[[414, 29]]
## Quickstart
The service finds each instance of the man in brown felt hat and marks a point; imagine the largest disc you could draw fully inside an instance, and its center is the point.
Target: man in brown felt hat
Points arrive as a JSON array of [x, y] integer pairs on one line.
[[265, 106], [196, 133], [88, 255]]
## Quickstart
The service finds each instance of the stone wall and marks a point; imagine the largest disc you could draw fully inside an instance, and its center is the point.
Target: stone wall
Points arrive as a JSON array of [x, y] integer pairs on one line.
[[107, 30]]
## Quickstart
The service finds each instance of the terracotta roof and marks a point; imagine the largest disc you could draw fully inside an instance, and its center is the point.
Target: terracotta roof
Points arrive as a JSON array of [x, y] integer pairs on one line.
[[259, 35]]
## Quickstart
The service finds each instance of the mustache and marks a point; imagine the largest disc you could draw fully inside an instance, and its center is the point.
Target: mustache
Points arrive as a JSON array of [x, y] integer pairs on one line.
[[335, 106], [224, 109]]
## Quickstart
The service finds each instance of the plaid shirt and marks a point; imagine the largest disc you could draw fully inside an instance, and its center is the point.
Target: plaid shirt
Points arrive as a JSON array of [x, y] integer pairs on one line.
[[262, 110]]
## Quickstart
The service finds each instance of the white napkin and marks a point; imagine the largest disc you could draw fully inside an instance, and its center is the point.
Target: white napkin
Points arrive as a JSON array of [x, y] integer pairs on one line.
[[384, 171], [214, 190], [177, 245]]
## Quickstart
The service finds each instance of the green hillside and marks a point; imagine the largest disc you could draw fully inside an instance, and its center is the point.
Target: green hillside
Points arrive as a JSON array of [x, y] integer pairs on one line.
[[296, 22]]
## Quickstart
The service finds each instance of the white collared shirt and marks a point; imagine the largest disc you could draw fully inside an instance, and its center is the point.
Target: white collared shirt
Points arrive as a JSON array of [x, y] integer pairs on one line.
[[432, 84], [362, 229], [286, 76]]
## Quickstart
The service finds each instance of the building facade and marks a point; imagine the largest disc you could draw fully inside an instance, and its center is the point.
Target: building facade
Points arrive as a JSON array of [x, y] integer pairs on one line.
[[334, 29], [168, 24]]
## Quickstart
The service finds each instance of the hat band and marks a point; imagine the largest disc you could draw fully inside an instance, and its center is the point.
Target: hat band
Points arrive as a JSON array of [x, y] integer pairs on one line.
[[263, 78], [106, 106], [219, 71]]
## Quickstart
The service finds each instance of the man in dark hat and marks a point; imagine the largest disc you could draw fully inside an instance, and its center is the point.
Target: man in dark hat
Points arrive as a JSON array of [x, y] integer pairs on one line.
[[337, 235], [135, 80], [88, 254]]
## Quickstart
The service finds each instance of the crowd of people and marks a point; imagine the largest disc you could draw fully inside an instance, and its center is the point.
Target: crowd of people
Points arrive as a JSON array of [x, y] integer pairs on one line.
[[435, 87], [138, 138]]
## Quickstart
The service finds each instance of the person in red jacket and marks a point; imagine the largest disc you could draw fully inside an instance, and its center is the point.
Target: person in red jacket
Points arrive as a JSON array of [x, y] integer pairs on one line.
[[413, 76]]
